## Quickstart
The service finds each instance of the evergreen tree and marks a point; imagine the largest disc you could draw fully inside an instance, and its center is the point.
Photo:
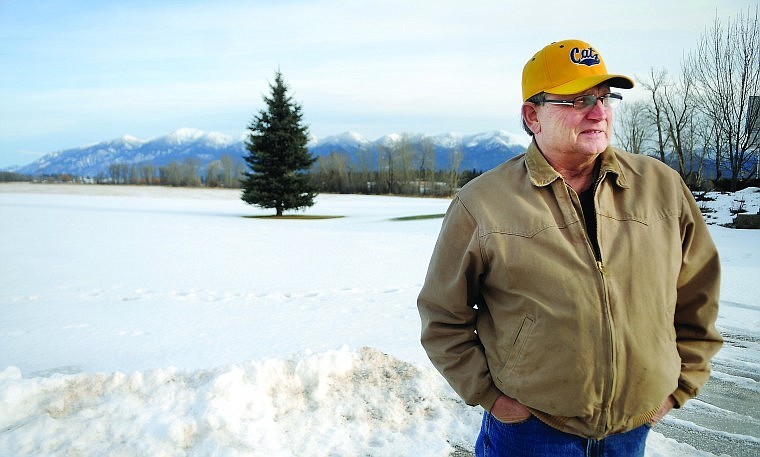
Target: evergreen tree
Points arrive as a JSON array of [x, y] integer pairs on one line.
[[277, 155]]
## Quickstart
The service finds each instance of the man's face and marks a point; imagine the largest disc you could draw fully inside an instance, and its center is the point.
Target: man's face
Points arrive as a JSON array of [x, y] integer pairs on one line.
[[567, 132]]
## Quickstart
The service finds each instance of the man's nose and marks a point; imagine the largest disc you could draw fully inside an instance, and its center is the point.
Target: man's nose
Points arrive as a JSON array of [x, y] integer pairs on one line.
[[598, 111]]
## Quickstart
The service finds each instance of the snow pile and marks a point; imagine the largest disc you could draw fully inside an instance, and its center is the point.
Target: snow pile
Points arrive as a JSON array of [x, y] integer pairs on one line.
[[721, 207], [336, 403]]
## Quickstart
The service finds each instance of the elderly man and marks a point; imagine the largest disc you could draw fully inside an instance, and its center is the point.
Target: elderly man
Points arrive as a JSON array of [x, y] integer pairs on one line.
[[573, 290]]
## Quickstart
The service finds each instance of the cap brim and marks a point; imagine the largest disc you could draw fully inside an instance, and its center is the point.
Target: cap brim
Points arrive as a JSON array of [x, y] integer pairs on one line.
[[581, 84]]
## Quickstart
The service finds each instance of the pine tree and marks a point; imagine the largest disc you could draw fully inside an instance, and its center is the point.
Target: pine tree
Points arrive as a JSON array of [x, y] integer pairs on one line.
[[277, 155]]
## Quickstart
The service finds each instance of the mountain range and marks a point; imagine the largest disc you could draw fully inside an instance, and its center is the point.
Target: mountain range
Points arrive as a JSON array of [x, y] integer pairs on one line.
[[480, 151]]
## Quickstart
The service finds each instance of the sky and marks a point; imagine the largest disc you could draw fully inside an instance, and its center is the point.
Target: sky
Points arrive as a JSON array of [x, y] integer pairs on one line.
[[74, 73]]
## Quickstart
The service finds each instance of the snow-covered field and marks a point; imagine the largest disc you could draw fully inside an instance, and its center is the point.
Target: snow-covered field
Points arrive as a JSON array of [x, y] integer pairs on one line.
[[141, 321]]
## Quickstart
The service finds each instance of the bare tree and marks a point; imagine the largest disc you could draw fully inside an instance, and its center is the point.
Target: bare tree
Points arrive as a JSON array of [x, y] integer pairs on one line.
[[679, 110], [214, 173], [455, 161], [119, 173], [386, 157], [405, 158], [134, 177], [229, 178], [427, 164], [171, 174], [655, 86], [365, 157], [114, 173], [704, 139], [189, 171], [147, 172], [631, 131], [333, 172], [726, 69]]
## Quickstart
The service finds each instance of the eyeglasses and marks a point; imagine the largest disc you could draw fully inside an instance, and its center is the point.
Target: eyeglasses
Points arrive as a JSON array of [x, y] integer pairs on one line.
[[586, 101]]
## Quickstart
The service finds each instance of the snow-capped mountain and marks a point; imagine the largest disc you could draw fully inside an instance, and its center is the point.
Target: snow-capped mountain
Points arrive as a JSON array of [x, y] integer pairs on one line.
[[94, 159], [481, 151]]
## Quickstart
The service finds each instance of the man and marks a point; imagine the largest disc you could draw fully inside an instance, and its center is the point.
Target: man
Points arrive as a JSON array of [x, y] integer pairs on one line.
[[573, 290]]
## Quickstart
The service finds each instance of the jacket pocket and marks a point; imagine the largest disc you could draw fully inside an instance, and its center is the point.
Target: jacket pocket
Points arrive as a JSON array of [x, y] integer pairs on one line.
[[519, 345]]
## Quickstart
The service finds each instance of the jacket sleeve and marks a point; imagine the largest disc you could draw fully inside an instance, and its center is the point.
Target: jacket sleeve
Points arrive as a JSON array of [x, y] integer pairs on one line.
[[447, 306], [698, 290]]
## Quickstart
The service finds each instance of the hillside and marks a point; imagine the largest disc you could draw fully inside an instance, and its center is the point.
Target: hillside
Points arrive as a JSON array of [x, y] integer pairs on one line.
[[480, 151]]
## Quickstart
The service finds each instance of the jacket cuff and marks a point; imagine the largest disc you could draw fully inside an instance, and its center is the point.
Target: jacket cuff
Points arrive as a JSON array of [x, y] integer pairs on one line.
[[489, 398], [682, 395]]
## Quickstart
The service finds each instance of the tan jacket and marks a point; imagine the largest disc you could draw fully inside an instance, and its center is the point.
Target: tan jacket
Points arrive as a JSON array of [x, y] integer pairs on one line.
[[515, 301]]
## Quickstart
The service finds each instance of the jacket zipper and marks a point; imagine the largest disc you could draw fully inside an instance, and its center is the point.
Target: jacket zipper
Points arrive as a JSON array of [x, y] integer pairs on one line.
[[612, 378], [610, 382], [607, 309]]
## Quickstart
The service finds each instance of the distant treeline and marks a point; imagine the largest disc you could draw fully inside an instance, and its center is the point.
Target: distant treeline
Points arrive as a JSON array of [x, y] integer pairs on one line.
[[330, 174], [327, 178], [225, 172], [9, 176]]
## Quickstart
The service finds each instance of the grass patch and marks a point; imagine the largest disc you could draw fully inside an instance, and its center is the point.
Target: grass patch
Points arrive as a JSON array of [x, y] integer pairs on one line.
[[418, 218], [305, 217]]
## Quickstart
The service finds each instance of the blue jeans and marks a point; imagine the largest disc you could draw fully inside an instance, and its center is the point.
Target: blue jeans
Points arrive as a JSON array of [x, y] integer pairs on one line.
[[533, 438]]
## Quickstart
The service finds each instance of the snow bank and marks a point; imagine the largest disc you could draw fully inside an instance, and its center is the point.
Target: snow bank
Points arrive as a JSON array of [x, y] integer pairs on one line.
[[339, 403]]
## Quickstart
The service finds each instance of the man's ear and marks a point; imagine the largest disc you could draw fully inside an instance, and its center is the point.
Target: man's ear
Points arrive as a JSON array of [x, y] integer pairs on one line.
[[530, 117]]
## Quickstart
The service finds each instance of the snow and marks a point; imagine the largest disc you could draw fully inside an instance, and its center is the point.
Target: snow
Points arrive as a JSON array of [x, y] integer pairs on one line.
[[447, 140], [185, 135], [500, 136], [129, 139], [140, 321], [345, 138], [523, 140], [390, 139], [218, 140]]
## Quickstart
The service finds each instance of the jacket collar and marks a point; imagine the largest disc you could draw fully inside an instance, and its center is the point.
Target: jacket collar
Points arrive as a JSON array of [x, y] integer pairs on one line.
[[542, 174]]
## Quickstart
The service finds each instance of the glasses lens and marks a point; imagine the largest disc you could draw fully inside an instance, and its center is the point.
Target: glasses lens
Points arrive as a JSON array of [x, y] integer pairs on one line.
[[612, 99], [584, 101], [587, 101]]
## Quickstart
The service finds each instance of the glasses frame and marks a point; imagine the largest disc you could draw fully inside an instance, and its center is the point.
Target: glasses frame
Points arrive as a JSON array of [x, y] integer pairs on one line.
[[582, 102]]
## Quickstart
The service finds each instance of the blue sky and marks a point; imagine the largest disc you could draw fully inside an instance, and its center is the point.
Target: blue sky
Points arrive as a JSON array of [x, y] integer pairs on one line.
[[74, 73]]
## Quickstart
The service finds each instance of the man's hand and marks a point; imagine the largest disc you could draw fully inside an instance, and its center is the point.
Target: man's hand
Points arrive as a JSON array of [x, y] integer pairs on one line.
[[509, 410], [665, 408]]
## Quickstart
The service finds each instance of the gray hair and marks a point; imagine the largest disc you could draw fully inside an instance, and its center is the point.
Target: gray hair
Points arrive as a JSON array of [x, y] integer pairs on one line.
[[537, 99]]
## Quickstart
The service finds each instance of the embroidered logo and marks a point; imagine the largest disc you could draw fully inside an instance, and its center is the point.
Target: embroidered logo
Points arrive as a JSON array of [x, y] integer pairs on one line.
[[587, 57]]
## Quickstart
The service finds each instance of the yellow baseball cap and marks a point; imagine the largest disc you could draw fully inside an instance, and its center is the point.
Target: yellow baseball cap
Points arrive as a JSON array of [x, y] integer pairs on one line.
[[567, 67]]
